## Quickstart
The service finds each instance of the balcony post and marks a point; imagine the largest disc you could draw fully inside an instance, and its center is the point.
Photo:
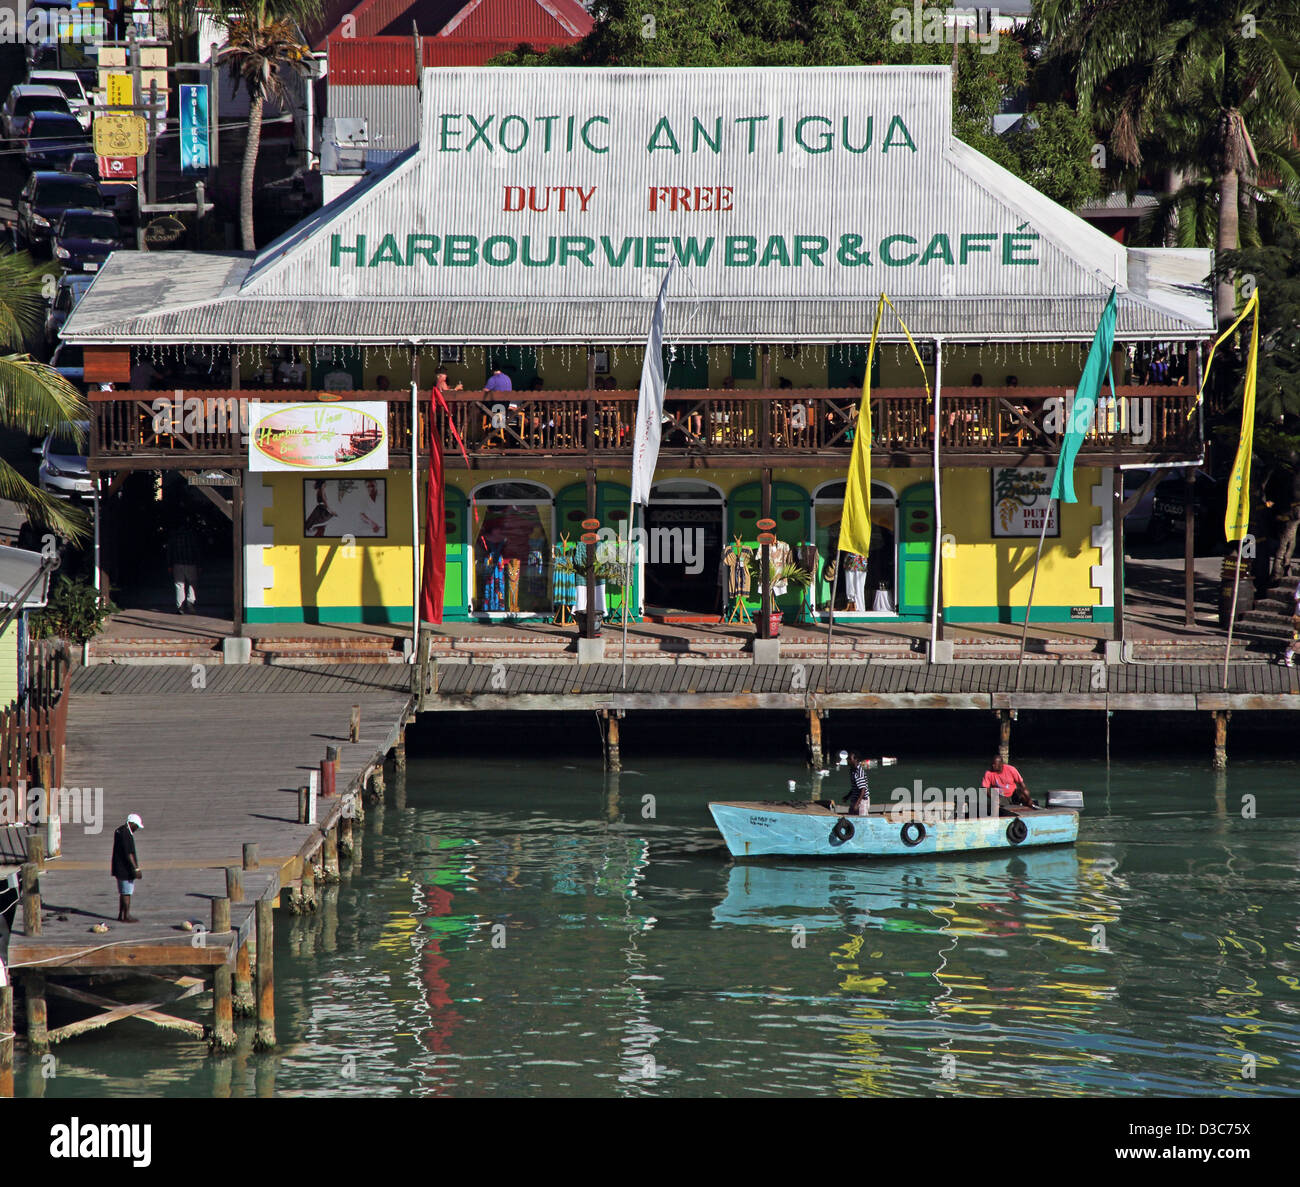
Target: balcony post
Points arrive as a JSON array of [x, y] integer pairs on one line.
[[237, 553]]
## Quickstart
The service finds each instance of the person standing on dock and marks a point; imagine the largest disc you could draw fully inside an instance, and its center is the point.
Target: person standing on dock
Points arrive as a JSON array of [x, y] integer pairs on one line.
[[859, 796], [183, 556], [126, 866], [1006, 780]]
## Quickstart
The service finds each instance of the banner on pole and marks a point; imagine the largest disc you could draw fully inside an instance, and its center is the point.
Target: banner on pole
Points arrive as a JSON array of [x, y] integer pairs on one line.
[[195, 156]]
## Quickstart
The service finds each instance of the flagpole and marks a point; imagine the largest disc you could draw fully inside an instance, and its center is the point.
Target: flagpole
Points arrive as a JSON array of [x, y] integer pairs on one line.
[[627, 581], [830, 622], [936, 609], [1232, 614], [415, 501]]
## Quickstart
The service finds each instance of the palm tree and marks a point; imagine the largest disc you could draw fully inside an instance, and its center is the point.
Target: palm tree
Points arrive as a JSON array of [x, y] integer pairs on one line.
[[263, 40], [1187, 85], [34, 398]]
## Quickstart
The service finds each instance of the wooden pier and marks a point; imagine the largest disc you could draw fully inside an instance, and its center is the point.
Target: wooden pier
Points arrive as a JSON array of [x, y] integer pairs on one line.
[[213, 760]]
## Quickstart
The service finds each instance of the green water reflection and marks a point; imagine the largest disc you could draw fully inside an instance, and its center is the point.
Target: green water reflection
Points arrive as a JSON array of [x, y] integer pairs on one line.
[[516, 928]]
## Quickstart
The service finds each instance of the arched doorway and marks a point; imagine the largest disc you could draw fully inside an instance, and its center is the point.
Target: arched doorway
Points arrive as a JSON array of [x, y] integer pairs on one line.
[[514, 530], [879, 584], [683, 548]]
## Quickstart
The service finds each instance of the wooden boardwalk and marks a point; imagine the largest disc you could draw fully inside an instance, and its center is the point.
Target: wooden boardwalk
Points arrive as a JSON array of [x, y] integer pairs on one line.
[[210, 761], [863, 685]]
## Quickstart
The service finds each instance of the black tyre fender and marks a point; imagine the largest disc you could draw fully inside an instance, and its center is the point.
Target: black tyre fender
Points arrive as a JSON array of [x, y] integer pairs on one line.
[[842, 830], [913, 833], [1017, 831]]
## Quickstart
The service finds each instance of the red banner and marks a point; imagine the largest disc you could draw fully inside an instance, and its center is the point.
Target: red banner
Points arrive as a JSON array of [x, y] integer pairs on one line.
[[116, 168], [433, 576]]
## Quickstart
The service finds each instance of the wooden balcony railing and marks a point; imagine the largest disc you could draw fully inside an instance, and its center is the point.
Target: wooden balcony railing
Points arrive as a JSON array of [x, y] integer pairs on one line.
[[152, 429]]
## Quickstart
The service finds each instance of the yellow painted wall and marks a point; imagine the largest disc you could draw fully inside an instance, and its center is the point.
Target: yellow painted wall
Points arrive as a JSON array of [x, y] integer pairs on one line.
[[9, 665]]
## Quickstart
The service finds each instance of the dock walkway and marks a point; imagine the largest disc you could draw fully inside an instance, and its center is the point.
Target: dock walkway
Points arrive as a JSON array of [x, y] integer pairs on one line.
[[210, 761]]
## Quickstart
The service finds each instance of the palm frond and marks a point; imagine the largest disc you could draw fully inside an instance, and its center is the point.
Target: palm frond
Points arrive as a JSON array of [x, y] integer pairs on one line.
[[43, 508], [35, 398]]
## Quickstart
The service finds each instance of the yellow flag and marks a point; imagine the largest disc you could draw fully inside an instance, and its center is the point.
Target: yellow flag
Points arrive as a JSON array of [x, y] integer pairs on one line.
[[1236, 522], [855, 523]]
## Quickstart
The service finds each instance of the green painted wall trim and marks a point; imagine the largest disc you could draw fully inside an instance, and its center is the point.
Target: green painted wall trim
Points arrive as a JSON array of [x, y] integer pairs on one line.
[[343, 615], [1016, 614]]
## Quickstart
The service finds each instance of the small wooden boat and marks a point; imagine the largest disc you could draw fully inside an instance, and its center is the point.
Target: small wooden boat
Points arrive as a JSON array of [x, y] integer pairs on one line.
[[821, 828]]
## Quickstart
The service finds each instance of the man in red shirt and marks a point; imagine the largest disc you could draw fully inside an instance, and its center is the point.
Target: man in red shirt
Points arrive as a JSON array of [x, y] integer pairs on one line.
[[1007, 781]]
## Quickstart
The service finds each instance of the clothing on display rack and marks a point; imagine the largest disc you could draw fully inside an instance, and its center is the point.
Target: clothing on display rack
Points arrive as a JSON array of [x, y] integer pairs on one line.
[[855, 581]]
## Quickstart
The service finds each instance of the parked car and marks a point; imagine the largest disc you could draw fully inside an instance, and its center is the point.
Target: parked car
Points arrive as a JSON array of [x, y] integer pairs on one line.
[[46, 196], [71, 288], [52, 138], [118, 195], [70, 84], [25, 101], [64, 470], [83, 239]]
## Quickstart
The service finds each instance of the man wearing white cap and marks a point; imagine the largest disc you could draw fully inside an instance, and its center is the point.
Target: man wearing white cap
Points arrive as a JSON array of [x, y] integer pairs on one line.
[[126, 868]]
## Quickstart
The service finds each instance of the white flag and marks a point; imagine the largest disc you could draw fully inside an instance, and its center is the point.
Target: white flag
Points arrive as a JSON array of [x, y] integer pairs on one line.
[[650, 402]]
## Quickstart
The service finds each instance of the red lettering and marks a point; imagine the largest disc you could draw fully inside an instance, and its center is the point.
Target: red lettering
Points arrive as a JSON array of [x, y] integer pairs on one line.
[[692, 198], [514, 198]]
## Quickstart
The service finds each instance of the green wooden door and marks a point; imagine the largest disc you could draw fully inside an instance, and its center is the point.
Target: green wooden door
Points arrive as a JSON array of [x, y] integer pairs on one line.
[[916, 549], [690, 367], [789, 509], [455, 597], [611, 509]]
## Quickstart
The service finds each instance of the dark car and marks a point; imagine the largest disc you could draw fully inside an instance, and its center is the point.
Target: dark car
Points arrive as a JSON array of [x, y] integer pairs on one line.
[[69, 361], [71, 288], [83, 239], [46, 196], [51, 139], [118, 195]]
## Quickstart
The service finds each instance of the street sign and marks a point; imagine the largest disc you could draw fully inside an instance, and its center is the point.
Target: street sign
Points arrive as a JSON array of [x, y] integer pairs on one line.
[[118, 91], [194, 128], [117, 168], [120, 136]]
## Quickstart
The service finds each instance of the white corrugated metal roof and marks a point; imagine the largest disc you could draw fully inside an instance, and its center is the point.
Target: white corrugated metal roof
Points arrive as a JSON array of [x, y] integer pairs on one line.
[[311, 285]]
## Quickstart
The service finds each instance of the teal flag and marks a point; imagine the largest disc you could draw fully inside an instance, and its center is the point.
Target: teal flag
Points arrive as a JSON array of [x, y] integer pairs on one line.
[[1085, 401]]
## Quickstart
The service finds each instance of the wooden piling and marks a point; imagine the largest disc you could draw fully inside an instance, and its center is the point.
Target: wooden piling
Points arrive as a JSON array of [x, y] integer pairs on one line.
[[330, 854], [1220, 717], [354, 725], [332, 756], [264, 1040], [36, 849], [220, 916], [613, 756], [6, 1041], [1004, 734], [375, 784], [223, 1017], [250, 856], [234, 884], [38, 1027], [815, 738], [345, 836], [31, 900], [307, 891], [327, 773], [244, 1005], [399, 751], [304, 805]]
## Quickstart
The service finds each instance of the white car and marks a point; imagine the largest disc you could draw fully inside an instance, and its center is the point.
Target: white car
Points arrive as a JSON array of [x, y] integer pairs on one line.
[[70, 85], [64, 469]]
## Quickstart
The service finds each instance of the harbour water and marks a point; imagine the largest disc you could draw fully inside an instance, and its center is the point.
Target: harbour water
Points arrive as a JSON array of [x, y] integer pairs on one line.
[[516, 925]]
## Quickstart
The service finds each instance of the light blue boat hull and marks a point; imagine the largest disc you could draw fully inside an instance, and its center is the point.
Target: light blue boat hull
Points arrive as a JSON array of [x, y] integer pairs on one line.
[[761, 830]]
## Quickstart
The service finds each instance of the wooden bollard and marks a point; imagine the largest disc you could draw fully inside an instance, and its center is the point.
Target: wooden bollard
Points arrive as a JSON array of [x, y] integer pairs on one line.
[[815, 738], [38, 1033], [234, 884], [327, 773], [223, 1014], [304, 805], [264, 1040], [354, 725], [36, 849], [220, 916], [250, 856], [332, 754], [1221, 717], [31, 900], [6, 1041], [243, 1002]]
